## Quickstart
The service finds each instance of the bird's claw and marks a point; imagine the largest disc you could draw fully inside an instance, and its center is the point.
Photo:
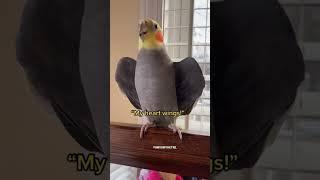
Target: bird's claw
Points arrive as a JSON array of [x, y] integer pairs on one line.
[[144, 129], [175, 129]]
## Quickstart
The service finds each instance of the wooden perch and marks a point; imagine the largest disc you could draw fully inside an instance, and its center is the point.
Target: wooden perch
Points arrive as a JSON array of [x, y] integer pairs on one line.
[[189, 158]]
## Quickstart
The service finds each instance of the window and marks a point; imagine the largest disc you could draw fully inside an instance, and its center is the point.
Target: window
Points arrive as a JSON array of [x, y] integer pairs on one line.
[[298, 141], [186, 25], [125, 146]]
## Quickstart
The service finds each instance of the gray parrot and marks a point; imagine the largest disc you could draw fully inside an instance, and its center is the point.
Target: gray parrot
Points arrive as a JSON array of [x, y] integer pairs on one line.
[[155, 83]]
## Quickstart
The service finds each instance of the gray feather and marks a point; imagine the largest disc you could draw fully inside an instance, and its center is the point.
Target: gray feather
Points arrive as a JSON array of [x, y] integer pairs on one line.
[[155, 84], [125, 74], [189, 83], [48, 50], [259, 68]]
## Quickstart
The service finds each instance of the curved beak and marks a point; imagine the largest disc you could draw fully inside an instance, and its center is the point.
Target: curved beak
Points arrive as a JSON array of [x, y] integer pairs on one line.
[[143, 28]]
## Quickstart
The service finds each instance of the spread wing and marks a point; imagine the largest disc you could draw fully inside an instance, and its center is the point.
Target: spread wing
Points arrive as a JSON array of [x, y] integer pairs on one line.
[[259, 66], [189, 83], [125, 74], [48, 50]]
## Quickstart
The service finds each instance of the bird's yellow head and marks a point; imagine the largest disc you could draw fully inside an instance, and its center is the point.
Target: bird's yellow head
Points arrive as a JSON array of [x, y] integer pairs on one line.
[[150, 35]]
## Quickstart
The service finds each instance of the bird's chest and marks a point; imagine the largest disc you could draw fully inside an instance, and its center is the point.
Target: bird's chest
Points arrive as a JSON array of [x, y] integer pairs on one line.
[[154, 78], [155, 85]]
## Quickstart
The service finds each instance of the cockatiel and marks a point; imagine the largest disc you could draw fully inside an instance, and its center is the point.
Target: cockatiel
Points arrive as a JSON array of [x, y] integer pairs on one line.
[[155, 83]]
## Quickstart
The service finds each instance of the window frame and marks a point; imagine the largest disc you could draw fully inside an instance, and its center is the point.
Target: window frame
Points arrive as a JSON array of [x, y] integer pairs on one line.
[[190, 45]]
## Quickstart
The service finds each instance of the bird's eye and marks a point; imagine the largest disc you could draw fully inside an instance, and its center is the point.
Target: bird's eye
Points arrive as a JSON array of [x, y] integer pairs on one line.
[[156, 26]]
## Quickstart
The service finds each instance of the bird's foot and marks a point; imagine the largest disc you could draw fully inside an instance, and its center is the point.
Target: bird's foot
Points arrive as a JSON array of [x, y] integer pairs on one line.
[[144, 129], [175, 129]]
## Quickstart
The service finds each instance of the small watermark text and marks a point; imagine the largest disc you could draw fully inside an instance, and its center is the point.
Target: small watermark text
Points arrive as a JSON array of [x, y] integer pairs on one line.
[[164, 147]]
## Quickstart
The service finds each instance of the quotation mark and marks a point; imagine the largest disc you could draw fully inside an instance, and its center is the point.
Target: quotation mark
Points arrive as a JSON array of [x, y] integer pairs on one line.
[[72, 157]]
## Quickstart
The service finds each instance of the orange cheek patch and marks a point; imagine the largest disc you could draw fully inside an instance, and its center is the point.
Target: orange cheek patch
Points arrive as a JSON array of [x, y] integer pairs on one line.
[[159, 36]]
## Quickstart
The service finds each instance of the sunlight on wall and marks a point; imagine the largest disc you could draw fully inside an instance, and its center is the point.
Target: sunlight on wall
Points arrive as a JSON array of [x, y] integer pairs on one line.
[[123, 42]]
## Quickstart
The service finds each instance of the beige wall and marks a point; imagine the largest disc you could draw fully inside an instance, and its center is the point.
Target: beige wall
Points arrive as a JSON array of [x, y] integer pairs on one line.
[[123, 42]]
